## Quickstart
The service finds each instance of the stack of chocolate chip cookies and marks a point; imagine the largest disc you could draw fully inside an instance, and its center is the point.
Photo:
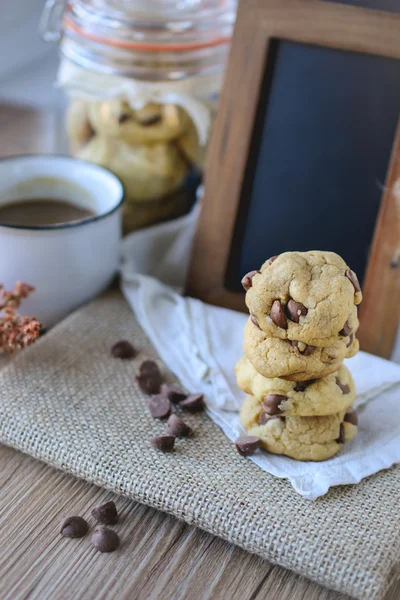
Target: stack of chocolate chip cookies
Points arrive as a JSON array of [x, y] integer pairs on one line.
[[302, 324]]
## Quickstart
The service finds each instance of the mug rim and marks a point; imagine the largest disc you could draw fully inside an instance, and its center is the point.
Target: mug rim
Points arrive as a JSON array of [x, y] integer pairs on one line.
[[71, 224]]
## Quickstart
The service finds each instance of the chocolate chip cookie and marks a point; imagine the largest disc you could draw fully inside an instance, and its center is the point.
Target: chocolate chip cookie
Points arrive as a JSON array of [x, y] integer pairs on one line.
[[296, 361], [302, 438], [308, 297]]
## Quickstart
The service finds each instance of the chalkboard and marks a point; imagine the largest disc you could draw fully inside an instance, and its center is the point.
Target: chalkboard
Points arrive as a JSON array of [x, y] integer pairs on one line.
[[305, 153], [319, 157]]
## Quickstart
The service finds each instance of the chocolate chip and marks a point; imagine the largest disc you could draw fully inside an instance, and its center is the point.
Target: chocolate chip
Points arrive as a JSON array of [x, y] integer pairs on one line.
[[264, 418], [149, 378], [193, 403], [165, 443], [354, 280], [295, 310], [346, 331], [159, 406], [247, 280], [123, 349], [271, 260], [343, 386], [74, 527], [254, 321], [106, 513], [123, 117], [148, 120], [303, 348], [351, 340], [351, 417], [277, 315], [105, 539], [341, 437], [247, 445], [174, 394], [300, 386], [177, 427], [149, 367], [271, 403]]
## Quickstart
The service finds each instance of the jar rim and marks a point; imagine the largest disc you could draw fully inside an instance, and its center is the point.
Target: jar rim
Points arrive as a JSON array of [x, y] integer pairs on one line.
[[70, 25]]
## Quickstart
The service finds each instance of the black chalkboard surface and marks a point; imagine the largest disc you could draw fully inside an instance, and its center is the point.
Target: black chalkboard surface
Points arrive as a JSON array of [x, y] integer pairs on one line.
[[319, 156], [305, 152]]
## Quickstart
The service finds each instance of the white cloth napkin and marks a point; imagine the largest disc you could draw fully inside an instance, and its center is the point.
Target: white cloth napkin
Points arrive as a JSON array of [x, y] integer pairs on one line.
[[201, 343]]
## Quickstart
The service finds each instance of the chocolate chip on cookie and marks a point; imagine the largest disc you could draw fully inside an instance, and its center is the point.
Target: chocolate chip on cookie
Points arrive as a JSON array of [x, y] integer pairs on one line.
[[254, 321], [341, 438], [343, 386], [247, 444], [351, 417], [303, 348], [302, 385], [271, 403], [346, 331], [263, 417], [295, 310], [277, 315], [247, 280], [351, 340], [354, 280], [271, 260]]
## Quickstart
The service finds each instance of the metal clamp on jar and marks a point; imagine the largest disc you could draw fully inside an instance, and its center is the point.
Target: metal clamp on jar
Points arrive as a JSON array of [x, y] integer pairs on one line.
[[143, 79]]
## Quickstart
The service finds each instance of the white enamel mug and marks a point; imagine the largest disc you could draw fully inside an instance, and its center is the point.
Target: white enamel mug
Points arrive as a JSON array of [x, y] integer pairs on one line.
[[67, 263]]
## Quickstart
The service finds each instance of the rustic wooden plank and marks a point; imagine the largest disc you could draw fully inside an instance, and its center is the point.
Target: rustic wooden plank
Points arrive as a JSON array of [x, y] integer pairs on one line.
[[159, 557]]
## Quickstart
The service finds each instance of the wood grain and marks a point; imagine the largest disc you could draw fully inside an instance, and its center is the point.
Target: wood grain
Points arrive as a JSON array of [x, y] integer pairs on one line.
[[325, 24]]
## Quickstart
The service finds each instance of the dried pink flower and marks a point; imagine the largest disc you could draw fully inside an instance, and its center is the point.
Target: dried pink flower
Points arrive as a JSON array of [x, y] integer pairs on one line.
[[16, 331]]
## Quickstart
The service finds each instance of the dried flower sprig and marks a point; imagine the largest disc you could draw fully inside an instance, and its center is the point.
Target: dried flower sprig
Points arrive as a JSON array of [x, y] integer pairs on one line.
[[16, 331]]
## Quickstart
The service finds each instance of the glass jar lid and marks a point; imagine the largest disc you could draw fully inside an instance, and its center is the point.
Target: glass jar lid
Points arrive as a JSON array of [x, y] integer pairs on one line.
[[148, 39]]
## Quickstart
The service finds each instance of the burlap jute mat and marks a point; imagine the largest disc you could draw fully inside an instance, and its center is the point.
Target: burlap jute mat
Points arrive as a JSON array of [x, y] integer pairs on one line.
[[67, 402]]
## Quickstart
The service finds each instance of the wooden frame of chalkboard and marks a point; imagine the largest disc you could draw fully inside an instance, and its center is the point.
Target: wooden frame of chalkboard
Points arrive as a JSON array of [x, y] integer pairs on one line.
[[318, 23]]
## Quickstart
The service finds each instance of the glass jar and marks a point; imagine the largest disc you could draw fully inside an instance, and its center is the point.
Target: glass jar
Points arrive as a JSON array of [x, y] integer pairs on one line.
[[143, 78]]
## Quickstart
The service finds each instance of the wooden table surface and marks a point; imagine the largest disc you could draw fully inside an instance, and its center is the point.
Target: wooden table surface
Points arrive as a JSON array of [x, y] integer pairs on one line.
[[159, 557]]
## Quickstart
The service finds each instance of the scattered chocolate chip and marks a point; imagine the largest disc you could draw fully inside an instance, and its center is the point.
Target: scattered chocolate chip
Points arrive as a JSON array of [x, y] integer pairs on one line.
[[295, 310], [300, 386], [42, 331], [271, 260], [123, 349], [123, 117], [149, 367], [74, 527], [277, 315], [193, 403], [247, 280], [303, 348], [106, 513], [254, 321], [351, 340], [343, 386], [159, 406], [351, 417], [346, 331], [149, 378], [165, 443], [271, 403], [174, 394], [177, 427], [247, 445], [354, 280], [341, 437], [105, 539]]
